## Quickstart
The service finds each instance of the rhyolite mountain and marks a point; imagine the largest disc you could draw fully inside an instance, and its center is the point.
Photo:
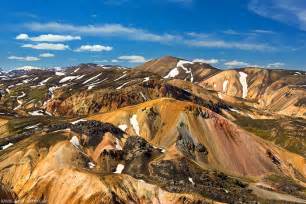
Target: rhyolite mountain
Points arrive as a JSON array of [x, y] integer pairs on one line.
[[167, 131]]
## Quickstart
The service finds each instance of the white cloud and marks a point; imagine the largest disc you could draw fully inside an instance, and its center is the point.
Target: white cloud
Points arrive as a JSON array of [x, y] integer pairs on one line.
[[118, 30], [111, 30], [229, 45], [236, 63], [133, 59], [46, 46], [101, 61], [275, 65], [27, 58], [207, 61], [261, 31], [48, 38], [27, 68], [248, 33], [93, 48], [291, 12], [115, 60], [46, 55], [22, 37], [231, 32], [198, 35]]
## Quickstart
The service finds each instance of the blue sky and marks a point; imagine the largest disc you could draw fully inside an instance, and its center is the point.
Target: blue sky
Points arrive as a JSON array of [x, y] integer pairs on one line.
[[49, 33]]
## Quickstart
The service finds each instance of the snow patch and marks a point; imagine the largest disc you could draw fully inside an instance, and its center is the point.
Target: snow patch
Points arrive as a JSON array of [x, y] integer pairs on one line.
[[76, 70], [235, 110], [77, 121], [92, 78], [120, 87], [36, 113], [68, 78], [118, 146], [7, 146], [173, 73], [19, 101], [90, 87], [225, 83], [146, 79], [75, 141], [80, 77], [60, 73], [119, 169], [44, 81], [26, 81], [51, 90], [17, 107], [91, 165], [48, 113], [120, 77], [135, 124], [191, 76], [123, 127], [243, 81], [93, 84], [32, 127], [180, 64], [21, 96], [191, 180], [143, 96]]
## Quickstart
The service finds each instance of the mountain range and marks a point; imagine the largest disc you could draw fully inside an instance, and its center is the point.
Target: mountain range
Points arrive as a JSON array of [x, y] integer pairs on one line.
[[167, 131]]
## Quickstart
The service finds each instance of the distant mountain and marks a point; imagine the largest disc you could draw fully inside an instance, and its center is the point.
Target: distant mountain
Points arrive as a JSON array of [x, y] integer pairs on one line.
[[171, 67]]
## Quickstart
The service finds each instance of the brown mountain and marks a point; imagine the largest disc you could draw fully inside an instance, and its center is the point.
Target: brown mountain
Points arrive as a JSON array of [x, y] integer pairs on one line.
[[170, 67]]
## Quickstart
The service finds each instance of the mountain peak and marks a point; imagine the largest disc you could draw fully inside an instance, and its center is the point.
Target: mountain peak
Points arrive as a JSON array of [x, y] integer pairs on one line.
[[169, 57]]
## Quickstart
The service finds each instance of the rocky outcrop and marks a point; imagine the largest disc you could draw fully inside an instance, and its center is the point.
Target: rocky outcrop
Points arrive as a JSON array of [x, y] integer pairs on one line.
[[181, 176], [137, 153], [93, 131]]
